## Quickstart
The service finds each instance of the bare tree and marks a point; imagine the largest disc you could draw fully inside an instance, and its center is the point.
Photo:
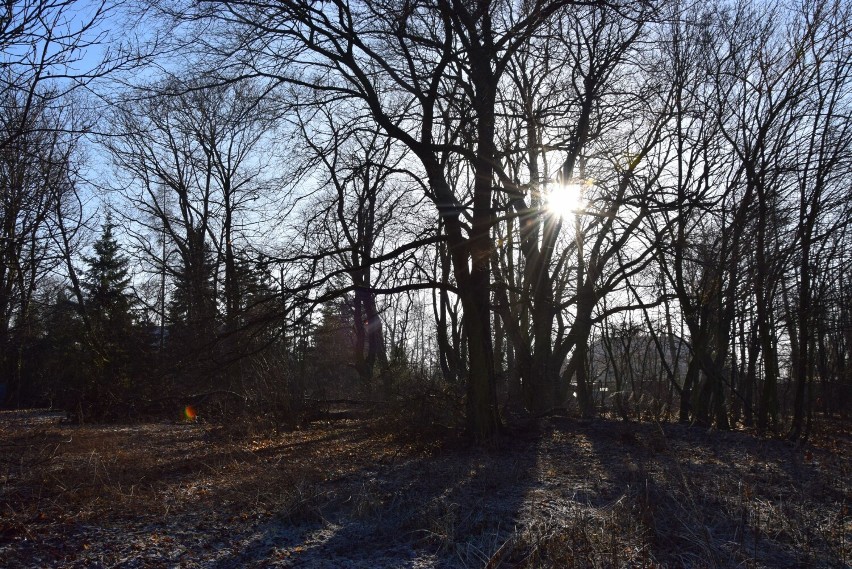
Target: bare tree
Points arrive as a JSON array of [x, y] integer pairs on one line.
[[579, 120], [413, 67], [367, 208], [50, 49], [191, 161], [36, 166], [822, 155]]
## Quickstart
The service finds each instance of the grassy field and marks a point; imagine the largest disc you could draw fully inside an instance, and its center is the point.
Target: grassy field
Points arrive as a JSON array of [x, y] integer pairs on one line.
[[363, 493]]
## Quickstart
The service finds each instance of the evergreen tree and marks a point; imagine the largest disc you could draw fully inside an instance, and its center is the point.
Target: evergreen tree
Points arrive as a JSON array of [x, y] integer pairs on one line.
[[107, 306], [332, 354], [64, 360], [193, 304], [256, 287], [106, 284], [193, 350]]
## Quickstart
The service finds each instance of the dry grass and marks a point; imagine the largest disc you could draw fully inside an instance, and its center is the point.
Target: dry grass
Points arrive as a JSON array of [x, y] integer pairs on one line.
[[687, 498], [352, 493]]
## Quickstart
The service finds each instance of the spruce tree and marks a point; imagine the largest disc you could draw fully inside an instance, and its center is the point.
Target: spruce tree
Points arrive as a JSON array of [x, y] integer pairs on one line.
[[106, 284], [108, 304], [193, 303]]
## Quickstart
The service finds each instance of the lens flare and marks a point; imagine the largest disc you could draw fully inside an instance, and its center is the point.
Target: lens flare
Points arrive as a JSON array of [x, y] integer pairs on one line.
[[189, 413]]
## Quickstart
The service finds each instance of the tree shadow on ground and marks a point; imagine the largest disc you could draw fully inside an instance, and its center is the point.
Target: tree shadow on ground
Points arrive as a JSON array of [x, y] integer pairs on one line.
[[564, 494], [453, 507], [718, 499], [558, 493]]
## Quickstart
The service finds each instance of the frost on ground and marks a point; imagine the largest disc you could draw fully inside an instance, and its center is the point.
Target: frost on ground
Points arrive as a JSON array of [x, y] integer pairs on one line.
[[352, 493]]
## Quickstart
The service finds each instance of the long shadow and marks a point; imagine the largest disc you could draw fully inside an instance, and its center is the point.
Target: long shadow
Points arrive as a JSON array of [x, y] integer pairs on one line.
[[678, 495], [695, 504], [453, 507]]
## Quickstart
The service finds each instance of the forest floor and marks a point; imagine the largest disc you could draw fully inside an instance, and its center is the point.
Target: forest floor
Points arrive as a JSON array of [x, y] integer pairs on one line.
[[358, 493]]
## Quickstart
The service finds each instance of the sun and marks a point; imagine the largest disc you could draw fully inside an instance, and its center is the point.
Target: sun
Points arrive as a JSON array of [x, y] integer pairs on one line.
[[564, 199]]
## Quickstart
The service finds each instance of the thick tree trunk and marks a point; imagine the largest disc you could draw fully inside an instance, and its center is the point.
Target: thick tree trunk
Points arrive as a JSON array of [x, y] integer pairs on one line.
[[689, 382], [585, 393], [471, 258], [579, 360], [483, 419]]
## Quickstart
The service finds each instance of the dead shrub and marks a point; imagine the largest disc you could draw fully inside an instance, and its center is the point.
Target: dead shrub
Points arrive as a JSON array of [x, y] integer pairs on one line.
[[427, 409]]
